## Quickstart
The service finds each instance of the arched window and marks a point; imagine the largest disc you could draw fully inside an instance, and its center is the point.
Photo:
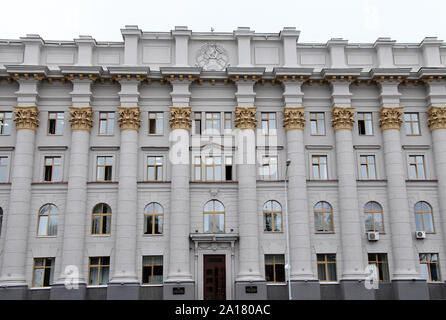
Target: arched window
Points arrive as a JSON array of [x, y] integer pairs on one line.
[[101, 219], [48, 217], [373, 215], [214, 217], [1, 220], [424, 220], [153, 218], [323, 217], [272, 217]]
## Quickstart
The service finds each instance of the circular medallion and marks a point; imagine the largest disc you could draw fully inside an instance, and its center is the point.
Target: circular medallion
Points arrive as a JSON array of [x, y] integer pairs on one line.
[[212, 57]]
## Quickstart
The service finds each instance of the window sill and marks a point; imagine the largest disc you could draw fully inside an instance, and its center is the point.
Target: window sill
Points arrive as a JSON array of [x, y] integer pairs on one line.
[[273, 232], [329, 282], [97, 287], [49, 182], [155, 134], [279, 284], [152, 285], [322, 232], [40, 288], [100, 235], [46, 237], [152, 235]]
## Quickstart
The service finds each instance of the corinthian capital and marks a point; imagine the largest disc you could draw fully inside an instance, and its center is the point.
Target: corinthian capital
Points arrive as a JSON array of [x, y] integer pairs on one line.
[[81, 118], [129, 118], [245, 117], [180, 118], [437, 118], [342, 118], [26, 118], [390, 118], [294, 118]]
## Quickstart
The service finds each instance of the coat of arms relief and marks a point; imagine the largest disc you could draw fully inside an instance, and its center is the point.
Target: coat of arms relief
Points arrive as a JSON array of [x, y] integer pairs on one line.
[[212, 57]]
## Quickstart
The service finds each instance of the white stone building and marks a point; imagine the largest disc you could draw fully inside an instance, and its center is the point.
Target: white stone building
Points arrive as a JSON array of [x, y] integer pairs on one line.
[[156, 167]]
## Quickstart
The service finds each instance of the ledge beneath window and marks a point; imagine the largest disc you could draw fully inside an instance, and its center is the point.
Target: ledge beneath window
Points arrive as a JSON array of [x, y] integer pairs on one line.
[[48, 183]]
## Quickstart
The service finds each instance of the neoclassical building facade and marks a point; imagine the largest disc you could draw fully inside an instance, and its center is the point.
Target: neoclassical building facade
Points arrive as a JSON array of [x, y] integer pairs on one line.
[[210, 165]]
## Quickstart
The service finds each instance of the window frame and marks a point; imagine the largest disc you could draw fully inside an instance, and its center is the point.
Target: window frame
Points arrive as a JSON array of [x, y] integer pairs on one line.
[[7, 167], [97, 156], [275, 264], [53, 157], [429, 263], [416, 164], [316, 121], [326, 262], [272, 212], [374, 212], [154, 215], [57, 113], [152, 265], [49, 215], [102, 215], [312, 156], [45, 268], [1, 220], [269, 131], [268, 164], [99, 266], [322, 211], [156, 113], [5, 122], [107, 125], [380, 263], [411, 122], [422, 213], [213, 213], [155, 166], [367, 164], [210, 131], [363, 114]]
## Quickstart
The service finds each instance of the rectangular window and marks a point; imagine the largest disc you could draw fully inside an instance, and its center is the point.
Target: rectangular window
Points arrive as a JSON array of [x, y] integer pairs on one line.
[[416, 168], [228, 168], [275, 268], [365, 123], [430, 267], [43, 272], [381, 266], [197, 168], [412, 124], [104, 168], [326, 267], [317, 123], [5, 123], [98, 271], [156, 122], [53, 169], [197, 122], [213, 169], [269, 168], [55, 123], [154, 168], [152, 270], [368, 168], [106, 123], [269, 123], [228, 121], [4, 161], [213, 122], [319, 166]]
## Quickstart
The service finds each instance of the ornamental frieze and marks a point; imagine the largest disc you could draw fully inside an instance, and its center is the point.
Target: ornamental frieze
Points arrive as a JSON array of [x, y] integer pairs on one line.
[[180, 118], [81, 118], [342, 118], [294, 118], [437, 118], [129, 118], [390, 118], [26, 118], [245, 117]]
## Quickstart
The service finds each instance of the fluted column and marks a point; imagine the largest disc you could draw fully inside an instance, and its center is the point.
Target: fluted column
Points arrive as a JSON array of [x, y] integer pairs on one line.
[[72, 266], [404, 258], [19, 214]]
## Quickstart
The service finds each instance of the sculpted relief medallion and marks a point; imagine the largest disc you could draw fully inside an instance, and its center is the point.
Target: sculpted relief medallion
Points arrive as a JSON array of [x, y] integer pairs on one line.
[[212, 57]]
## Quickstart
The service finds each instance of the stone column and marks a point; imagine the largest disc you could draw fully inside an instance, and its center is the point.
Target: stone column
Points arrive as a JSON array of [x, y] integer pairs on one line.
[[124, 283], [406, 281], [179, 273], [13, 277], [249, 260], [353, 271], [72, 268]]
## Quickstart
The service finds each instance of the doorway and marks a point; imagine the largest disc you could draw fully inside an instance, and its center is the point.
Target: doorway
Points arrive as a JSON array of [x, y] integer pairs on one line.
[[214, 274]]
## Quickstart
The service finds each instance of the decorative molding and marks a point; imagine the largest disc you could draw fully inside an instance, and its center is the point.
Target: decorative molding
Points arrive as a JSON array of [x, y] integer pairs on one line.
[[155, 148], [129, 118], [294, 118], [245, 118], [318, 147], [52, 148], [81, 118], [437, 117], [390, 118], [367, 147], [416, 147], [7, 148], [342, 118], [26, 118], [101, 148], [180, 118]]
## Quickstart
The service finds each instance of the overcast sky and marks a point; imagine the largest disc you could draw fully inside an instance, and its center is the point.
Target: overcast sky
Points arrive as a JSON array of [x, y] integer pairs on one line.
[[318, 20]]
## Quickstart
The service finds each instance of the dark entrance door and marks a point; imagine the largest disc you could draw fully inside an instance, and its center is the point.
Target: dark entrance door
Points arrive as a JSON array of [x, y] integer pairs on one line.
[[214, 277]]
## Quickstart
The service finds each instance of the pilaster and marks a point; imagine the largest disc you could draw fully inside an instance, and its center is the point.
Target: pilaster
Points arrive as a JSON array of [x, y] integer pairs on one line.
[[181, 35], [384, 52], [243, 36], [289, 37], [131, 35], [85, 46]]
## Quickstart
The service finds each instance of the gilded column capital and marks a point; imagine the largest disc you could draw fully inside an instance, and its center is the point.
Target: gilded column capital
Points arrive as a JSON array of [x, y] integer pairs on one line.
[[390, 118], [437, 117], [294, 118], [180, 118], [245, 117], [129, 118], [26, 118], [81, 118], [342, 118]]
